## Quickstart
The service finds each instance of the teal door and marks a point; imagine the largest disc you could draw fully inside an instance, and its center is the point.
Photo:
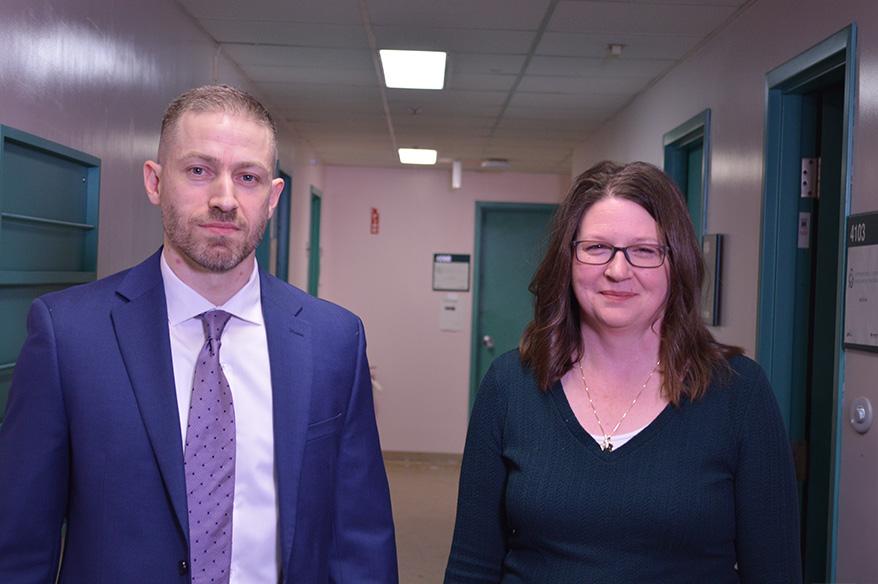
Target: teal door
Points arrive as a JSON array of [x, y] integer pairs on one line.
[[817, 275], [314, 243], [510, 242], [693, 188], [687, 159], [266, 252], [800, 296], [282, 213], [273, 253], [48, 231]]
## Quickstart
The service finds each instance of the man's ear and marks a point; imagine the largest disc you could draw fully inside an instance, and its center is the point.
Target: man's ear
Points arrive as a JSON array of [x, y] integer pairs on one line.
[[277, 187], [151, 176]]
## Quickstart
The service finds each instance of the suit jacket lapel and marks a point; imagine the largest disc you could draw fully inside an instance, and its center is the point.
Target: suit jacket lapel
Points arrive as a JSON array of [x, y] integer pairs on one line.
[[289, 352], [141, 326]]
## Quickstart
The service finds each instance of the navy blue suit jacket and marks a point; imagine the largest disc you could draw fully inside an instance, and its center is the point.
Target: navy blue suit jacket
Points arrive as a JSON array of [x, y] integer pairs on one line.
[[92, 436]]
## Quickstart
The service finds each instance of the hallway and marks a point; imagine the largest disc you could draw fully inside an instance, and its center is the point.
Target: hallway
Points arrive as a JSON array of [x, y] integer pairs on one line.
[[424, 496]]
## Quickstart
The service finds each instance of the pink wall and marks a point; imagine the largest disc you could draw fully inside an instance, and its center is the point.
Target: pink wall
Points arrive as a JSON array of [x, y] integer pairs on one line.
[[97, 78], [387, 280], [728, 76]]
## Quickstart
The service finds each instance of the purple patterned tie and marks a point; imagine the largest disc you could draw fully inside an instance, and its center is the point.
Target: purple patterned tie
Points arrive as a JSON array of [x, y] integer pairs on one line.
[[210, 460]]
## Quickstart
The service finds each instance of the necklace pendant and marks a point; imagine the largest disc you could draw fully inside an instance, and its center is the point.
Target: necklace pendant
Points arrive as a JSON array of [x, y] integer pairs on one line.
[[607, 446]]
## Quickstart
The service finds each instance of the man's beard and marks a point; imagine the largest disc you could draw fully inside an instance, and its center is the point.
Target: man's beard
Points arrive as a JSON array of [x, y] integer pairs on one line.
[[214, 253]]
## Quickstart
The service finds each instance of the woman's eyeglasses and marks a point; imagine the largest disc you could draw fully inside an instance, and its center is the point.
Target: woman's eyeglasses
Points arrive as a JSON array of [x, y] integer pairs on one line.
[[598, 253]]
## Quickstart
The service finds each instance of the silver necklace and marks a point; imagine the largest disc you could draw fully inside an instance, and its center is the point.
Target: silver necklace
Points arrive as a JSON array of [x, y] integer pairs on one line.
[[607, 444]]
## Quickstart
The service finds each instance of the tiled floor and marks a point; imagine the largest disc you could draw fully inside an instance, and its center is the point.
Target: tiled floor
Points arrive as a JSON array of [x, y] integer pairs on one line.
[[424, 497]]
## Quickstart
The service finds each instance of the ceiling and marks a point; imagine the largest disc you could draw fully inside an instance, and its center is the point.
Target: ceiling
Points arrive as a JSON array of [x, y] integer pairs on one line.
[[526, 80]]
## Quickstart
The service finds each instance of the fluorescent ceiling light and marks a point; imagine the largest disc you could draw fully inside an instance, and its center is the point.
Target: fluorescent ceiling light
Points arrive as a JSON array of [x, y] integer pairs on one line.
[[417, 156], [413, 69]]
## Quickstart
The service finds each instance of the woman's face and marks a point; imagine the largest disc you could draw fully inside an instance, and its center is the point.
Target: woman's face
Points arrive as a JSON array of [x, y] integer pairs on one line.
[[618, 296]]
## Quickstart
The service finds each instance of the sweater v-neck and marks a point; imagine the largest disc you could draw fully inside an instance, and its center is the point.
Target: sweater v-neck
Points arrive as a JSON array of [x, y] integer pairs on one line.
[[587, 440]]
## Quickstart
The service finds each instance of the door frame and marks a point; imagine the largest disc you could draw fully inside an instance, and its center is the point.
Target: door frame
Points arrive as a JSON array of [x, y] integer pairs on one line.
[[314, 249], [775, 342], [483, 207], [675, 146], [283, 226]]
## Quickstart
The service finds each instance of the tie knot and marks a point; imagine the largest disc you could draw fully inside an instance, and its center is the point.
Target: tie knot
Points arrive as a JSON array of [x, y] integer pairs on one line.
[[214, 323]]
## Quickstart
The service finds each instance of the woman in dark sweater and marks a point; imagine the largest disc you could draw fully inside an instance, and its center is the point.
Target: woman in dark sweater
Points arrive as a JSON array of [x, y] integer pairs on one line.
[[622, 443]]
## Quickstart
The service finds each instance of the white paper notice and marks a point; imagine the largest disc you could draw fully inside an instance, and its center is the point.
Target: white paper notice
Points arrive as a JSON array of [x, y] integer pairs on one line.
[[861, 283], [450, 314], [861, 296]]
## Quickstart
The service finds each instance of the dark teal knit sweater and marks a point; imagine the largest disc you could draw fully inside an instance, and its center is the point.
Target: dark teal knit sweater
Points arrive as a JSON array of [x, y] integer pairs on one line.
[[706, 485]]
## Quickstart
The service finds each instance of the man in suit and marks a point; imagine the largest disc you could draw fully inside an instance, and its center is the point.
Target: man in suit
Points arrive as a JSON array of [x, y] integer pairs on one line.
[[194, 419]]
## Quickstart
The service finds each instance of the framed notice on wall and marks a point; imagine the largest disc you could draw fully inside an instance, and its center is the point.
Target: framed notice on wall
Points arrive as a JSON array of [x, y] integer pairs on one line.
[[712, 248], [861, 283], [451, 272]]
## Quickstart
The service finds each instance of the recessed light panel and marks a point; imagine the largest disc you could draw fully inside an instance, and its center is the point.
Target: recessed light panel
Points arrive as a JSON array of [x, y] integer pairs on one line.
[[417, 156], [413, 69]]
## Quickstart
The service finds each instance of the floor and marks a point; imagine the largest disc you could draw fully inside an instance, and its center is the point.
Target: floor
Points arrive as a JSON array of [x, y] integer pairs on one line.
[[423, 491]]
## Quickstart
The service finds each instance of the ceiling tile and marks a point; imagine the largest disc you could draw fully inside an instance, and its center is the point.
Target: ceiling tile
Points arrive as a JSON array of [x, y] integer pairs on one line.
[[692, 19], [564, 100], [452, 123], [732, 3], [415, 97], [362, 123], [560, 125], [310, 11], [290, 56], [457, 40], [581, 85], [287, 33], [322, 92], [312, 75], [338, 115], [475, 63], [480, 82], [636, 46], [643, 69], [484, 14]]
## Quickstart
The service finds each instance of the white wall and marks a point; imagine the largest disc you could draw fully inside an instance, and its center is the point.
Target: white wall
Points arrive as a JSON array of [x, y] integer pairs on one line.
[[307, 171], [97, 77], [728, 76], [387, 280]]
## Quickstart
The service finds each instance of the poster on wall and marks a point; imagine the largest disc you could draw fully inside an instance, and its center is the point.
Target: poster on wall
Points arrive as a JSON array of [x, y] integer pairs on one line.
[[712, 248], [861, 283], [451, 272]]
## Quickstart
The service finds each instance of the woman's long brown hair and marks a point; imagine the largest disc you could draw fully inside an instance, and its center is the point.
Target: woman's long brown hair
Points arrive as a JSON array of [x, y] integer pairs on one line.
[[552, 342]]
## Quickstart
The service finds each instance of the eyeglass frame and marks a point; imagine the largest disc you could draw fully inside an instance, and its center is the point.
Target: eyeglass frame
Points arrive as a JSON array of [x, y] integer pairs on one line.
[[664, 249]]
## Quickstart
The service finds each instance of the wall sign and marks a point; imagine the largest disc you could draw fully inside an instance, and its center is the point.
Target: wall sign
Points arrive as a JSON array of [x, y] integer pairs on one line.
[[451, 313], [451, 272], [712, 248], [861, 283], [374, 221]]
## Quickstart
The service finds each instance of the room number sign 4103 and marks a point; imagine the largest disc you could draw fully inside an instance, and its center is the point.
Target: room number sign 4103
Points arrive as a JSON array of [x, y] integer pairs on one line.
[[861, 283], [863, 229], [857, 232]]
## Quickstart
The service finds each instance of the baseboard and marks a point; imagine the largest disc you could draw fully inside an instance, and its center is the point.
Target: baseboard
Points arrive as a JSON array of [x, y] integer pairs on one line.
[[439, 458]]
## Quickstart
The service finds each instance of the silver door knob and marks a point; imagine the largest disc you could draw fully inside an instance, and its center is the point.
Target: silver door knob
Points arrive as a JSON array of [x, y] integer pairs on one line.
[[488, 342]]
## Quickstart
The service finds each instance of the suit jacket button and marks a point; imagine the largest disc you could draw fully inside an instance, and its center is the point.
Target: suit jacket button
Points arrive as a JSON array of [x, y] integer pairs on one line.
[[183, 565]]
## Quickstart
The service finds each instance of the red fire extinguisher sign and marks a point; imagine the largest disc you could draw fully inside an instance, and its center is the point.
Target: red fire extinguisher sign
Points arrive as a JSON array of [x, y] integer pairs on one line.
[[375, 222]]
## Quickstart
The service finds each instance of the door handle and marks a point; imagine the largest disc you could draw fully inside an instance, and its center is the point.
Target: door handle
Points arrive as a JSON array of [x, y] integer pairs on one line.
[[488, 342]]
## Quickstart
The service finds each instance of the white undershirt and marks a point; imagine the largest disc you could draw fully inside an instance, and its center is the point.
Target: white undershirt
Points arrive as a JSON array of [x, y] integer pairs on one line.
[[617, 440], [244, 359]]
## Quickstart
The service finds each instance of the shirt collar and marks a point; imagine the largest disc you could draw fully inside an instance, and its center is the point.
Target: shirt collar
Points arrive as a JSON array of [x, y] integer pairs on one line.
[[185, 303]]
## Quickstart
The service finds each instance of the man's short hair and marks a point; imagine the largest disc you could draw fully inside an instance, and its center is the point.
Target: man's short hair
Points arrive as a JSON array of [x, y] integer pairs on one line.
[[215, 98]]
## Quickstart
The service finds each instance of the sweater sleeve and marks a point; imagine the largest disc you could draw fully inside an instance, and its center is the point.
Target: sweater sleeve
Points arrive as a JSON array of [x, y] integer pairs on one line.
[[766, 496], [479, 544]]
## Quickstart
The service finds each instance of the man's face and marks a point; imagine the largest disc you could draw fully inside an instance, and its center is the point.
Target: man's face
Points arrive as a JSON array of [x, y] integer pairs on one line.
[[215, 188]]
